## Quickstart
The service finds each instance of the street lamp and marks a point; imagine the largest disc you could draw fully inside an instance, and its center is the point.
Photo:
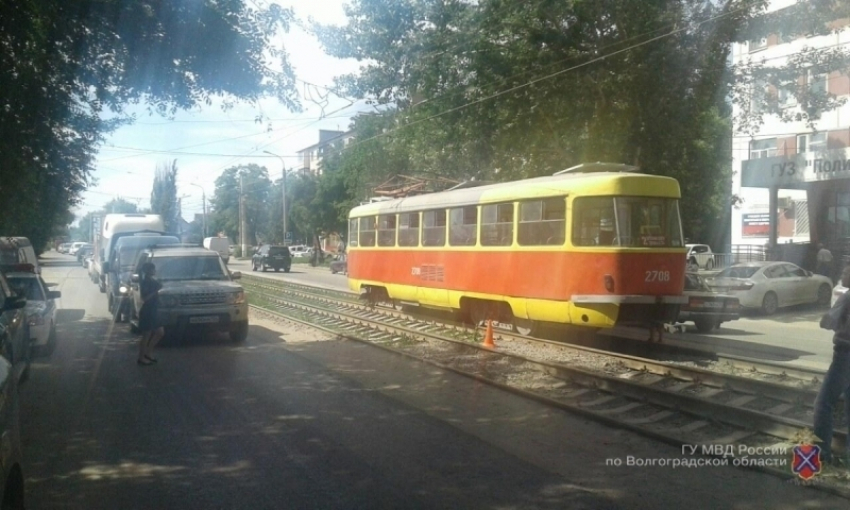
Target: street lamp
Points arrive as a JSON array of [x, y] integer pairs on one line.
[[284, 192], [204, 202]]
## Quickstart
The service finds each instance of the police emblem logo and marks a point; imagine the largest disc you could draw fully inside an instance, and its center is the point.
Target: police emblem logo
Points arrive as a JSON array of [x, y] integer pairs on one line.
[[807, 462]]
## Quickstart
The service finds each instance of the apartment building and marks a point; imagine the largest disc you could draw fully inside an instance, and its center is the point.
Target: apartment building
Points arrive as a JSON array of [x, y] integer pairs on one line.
[[310, 158]]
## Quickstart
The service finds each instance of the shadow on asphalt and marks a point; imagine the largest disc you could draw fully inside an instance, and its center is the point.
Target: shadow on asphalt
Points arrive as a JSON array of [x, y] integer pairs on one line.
[[69, 262], [799, 313], [259, 427], [64, 315]]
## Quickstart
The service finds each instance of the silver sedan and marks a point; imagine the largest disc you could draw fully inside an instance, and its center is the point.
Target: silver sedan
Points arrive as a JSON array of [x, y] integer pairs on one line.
[[772, 285]]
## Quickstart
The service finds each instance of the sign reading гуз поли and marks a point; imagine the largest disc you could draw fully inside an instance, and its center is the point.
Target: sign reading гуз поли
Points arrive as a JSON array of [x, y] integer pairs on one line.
[[796, 169]]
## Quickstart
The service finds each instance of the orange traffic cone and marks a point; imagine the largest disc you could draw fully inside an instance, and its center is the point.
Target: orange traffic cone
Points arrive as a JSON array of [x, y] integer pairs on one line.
[[488, 337]]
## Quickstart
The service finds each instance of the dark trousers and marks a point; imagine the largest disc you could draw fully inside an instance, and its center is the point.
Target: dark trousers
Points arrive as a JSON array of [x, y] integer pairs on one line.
[[836, 382]]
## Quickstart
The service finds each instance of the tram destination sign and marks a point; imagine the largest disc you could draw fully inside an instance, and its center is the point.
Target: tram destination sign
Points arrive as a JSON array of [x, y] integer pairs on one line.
[[794, 170]]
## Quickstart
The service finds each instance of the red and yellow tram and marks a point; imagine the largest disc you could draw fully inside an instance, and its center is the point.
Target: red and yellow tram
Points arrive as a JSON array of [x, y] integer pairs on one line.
[[596, 245]]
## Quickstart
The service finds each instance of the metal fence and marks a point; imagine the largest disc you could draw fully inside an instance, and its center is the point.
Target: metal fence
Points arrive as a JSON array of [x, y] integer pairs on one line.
[[739, 254]]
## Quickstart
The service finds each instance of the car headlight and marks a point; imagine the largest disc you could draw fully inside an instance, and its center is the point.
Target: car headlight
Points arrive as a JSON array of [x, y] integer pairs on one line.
[[123, 289], [237, 298], [36, 320], [168, 300]]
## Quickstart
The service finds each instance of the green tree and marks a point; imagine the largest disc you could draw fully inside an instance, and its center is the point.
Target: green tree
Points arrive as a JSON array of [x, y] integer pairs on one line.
[[501, 90], [255, 187], [164, 196], [71, 68]]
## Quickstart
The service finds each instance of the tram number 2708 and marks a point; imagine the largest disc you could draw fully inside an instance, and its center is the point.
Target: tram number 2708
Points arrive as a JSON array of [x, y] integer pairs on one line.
[[657, 276]]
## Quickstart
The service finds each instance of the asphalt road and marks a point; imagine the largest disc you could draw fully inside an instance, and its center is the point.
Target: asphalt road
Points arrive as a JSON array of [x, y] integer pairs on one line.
[[281, 423], [791, 336]]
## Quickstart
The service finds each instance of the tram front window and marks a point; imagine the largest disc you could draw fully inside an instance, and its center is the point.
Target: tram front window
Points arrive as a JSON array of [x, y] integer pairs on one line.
[[627, 221]]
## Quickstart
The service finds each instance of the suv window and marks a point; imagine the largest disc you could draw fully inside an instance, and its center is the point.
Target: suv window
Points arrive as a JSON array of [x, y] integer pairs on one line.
[[200, 267], [278, 250]]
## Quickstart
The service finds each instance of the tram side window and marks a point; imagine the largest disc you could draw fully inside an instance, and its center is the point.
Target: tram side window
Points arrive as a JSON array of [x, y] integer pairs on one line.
[[408, 229], [542, 222], [386, 230], [497, 225], [367, 231], [462, 229], [593, 222], [434, 228], [352, 232]]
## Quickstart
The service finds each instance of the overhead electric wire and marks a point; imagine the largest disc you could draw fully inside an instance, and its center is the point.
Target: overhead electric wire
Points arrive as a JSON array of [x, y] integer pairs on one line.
[[540, 79]]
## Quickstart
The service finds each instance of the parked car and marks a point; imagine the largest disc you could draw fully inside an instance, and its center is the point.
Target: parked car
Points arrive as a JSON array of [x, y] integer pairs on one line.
[[75, 247], [12, 484], [275, 257], [14, 328], [699, 256], [197, 292], [17, 250], [94, 274], [772, 285], [299, 250], [40, 308], [84, 252], [340, 264], [706, 308]]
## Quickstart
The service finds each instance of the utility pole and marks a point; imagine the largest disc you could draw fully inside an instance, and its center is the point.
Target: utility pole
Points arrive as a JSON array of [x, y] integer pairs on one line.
[[204, 205], [242, 217], [283, 164]]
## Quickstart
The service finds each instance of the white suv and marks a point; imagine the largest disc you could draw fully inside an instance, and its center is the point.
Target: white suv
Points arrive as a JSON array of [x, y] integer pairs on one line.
[[699, 256]]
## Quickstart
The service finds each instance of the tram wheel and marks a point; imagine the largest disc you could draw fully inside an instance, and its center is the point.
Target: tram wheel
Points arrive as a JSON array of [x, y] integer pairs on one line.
[[478, 314], [524, 327]]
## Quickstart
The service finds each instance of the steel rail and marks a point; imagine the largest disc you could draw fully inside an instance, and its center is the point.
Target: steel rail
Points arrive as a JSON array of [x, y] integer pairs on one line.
[[746, 390], [745, 420]]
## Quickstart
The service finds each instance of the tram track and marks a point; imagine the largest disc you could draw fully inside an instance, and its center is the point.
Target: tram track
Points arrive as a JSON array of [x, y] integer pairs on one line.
[[698, 358], [677, 404]]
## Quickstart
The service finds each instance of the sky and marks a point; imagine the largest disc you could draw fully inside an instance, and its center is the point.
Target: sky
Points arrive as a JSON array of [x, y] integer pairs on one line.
[[208, 140]]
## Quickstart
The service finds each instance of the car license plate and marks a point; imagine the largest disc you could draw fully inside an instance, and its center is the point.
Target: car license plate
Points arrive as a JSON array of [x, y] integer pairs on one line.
[[203, 320]]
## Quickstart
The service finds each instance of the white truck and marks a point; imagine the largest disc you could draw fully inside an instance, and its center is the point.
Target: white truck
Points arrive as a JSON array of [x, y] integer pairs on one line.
[[116, 226], [220, 245]]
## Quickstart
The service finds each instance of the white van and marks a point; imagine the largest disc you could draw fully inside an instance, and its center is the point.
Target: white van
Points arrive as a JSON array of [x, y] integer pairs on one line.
[[17, 250], [221, 245], [116, 226]]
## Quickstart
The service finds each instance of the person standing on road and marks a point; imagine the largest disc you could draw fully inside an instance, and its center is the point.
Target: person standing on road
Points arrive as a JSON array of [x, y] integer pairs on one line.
[[824, 261], [152, 332], [837, 379]]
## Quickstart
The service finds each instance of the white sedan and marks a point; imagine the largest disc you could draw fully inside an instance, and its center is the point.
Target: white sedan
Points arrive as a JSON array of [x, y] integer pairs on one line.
[[40, 309], [772, 285]]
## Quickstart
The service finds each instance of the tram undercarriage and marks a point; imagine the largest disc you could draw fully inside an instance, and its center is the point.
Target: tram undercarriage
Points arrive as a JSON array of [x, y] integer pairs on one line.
[[652, 317]]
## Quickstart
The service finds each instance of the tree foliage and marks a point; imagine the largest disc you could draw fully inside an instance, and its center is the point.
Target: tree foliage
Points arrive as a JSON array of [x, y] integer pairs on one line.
[[118, 205], [164, 196], [501, 90], [253, 182], [70, 69]]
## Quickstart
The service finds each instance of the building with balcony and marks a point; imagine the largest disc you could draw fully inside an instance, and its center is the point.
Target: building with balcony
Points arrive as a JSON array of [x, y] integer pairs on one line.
[[794, 181], [310, 158]]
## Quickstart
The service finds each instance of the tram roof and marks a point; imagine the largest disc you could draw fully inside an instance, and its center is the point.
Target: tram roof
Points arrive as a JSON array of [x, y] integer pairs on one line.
[[549, 185]]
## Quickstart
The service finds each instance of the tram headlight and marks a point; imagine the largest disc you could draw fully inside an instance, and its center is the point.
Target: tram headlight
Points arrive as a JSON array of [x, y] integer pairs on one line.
[[609, 283], [123, 289]]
